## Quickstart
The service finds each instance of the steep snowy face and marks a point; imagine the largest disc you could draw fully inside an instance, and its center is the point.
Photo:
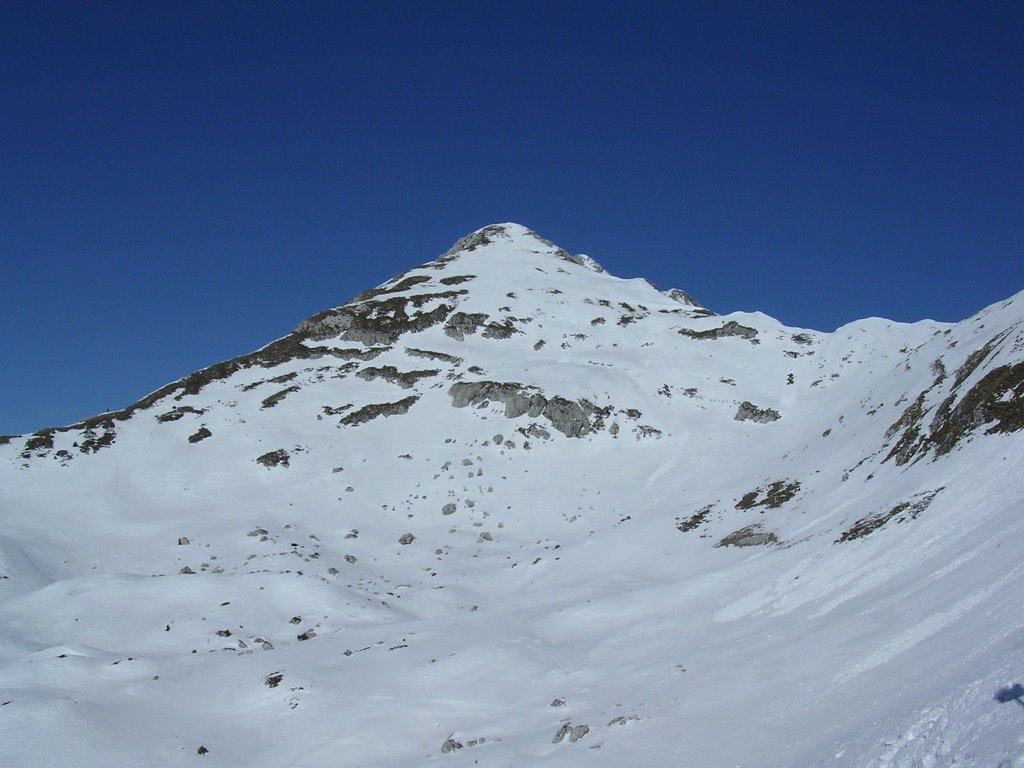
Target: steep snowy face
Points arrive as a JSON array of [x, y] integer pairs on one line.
[[506, 506]]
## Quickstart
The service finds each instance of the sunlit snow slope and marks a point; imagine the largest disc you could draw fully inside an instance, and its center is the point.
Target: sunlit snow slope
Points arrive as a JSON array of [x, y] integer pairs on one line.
[[507, 510]]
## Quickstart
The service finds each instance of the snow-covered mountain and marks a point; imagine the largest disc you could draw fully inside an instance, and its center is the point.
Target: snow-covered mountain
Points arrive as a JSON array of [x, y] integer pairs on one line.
[[507, 509]]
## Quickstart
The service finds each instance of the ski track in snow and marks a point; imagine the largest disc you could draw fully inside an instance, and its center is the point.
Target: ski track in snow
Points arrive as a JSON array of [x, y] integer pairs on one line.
[[925, 629]]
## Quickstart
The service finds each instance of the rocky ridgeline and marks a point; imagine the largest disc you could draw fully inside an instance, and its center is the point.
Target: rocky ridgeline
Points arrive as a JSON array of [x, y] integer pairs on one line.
[[419, 313]]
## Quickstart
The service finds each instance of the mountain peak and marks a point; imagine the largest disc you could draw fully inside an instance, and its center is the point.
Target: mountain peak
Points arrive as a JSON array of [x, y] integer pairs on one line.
[[512, 236], [503, 466]]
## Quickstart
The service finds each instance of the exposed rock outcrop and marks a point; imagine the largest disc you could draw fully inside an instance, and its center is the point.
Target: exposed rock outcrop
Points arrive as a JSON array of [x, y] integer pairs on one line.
[[751, 536], [747, 411], [462, 324], [373, 410], [392, 375], [379, 321], [731, 328], [571, 418], [997, 399]]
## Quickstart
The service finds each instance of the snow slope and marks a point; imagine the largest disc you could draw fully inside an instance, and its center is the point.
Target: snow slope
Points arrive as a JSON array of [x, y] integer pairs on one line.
[[506, 492]]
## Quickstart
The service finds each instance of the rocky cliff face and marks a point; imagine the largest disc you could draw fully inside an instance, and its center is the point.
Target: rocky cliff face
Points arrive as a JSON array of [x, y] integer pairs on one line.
[[505, 478]]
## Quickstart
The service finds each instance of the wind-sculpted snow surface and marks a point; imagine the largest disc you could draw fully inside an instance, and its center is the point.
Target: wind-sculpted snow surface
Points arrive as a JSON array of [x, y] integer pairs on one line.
[[507, 509]]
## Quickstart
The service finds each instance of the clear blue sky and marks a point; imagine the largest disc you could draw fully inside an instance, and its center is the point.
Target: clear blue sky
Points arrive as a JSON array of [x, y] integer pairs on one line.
[[182, 182]]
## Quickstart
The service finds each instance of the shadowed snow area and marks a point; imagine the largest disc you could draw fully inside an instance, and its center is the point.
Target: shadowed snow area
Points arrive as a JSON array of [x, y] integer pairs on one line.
[[507, 509]]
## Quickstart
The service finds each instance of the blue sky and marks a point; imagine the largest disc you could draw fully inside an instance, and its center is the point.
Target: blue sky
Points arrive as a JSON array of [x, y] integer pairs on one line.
[[182, 182]]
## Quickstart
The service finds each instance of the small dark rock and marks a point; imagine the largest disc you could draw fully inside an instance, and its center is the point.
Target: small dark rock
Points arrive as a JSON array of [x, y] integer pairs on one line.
[[579, 732], [450, 746], [273, 680], [278, 458], [747, 411]]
